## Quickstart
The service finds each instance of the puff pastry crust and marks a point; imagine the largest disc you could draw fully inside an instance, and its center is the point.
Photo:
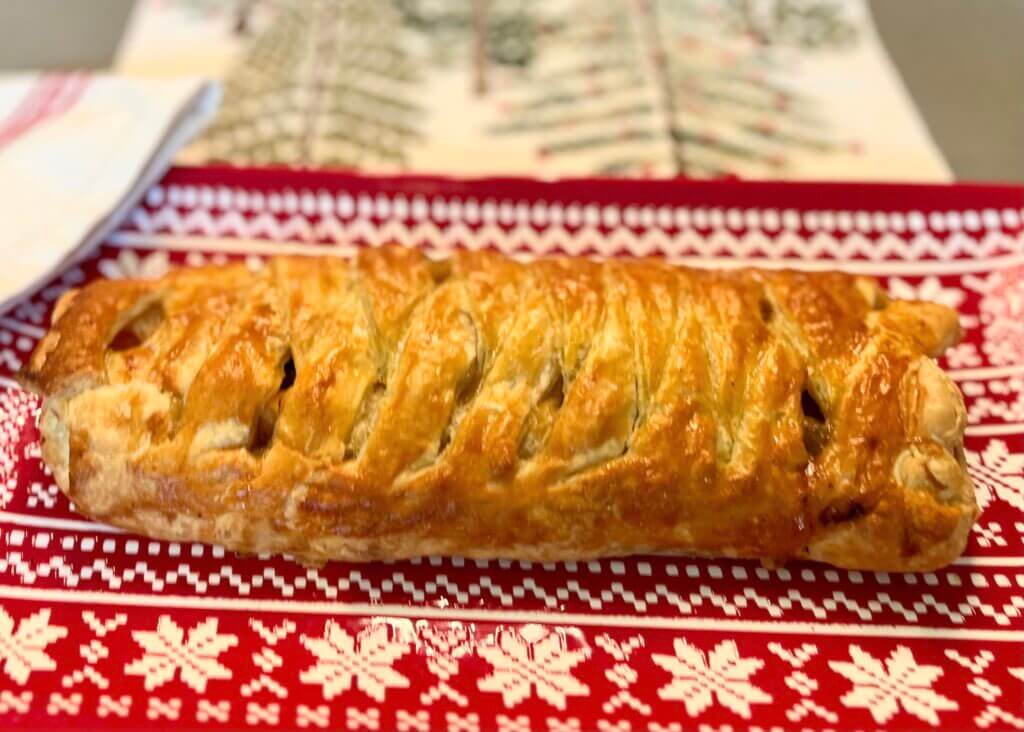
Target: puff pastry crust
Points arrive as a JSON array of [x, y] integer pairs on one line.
[[394, 406]]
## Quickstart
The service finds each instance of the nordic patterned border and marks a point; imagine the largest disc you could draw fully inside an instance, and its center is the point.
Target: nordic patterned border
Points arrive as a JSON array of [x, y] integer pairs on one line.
[[428, 612], [575, 228], [524, 244], [408, 588], [520, 677], [474, 210]]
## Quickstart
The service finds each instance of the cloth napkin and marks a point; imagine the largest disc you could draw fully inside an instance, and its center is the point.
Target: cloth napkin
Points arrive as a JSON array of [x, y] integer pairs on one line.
[[76, 153]]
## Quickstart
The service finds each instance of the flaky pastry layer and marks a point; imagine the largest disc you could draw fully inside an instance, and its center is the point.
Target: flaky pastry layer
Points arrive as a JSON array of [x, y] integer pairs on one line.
[[392, 406]]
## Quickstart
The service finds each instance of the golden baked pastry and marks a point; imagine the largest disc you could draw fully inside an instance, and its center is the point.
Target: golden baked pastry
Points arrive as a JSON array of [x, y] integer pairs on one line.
[[393, 406]]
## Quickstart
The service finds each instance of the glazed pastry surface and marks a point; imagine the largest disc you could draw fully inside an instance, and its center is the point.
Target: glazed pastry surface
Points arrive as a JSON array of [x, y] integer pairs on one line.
[[393, 406]]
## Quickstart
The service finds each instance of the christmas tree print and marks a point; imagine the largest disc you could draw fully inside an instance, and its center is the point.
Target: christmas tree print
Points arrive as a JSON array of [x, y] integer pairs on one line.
[[482, 33], [328, 82], [802, 23], [597, 95], [654, 86], [617, 87]]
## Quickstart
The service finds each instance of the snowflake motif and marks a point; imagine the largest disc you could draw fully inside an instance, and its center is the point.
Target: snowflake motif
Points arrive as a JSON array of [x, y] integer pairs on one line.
[[24, 651], [998, 473], [1007, 411], [367, 659], [165, 651], [929, 289], [1002, 313], [532, 657], [129, 266], [16, 408], [1014, 385], [622, 674], [723, 675], [882, 690], [443, 647], [963, 355], [988, 535]]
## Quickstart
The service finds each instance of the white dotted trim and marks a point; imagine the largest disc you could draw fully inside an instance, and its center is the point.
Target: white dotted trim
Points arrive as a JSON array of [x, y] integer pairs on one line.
[[555, 213]]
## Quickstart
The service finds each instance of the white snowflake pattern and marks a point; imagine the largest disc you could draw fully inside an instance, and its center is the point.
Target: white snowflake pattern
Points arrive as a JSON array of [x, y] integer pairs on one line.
[[963, 355], [532, 657], [1002, 313], [444, 646], [129, 265], [16, 408], [998, 473], [366, 659], [24, 650], [882, 690], [929, 289], [166, 651], [622, 674], [1000, 399], [699, 680]]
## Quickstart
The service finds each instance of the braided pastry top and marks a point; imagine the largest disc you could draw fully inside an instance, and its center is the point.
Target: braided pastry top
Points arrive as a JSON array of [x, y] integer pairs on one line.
[[394, 406]]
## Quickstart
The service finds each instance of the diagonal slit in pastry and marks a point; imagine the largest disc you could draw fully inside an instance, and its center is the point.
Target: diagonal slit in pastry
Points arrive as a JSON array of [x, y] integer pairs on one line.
[[366, 417], [465, 391], [266, 420], [815, 423], [542, 416], [139, 328], [635, 417]]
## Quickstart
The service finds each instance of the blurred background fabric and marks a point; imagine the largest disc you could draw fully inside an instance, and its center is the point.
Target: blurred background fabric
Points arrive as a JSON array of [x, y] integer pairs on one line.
[[755, 88], [59, 197]]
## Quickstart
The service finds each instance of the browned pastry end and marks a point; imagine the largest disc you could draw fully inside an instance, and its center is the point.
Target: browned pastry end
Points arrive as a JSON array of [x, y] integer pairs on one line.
[[393, 406]]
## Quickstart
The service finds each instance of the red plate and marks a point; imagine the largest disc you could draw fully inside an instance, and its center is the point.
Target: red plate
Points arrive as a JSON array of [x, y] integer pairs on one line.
[[107, 630]]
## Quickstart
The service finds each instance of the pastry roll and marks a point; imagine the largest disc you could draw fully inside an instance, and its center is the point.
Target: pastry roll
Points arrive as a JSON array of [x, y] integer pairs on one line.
[[394, 406]]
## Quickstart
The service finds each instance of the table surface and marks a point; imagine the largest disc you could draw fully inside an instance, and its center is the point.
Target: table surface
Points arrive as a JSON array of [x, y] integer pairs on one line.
[[959, 66]]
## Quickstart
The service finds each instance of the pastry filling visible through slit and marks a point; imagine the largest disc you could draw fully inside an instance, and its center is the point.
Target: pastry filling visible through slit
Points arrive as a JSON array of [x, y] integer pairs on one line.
[[841, 514], [139, 329], [266, 420], [816, 430], [465, 391], [542, 416], [365, 419]]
